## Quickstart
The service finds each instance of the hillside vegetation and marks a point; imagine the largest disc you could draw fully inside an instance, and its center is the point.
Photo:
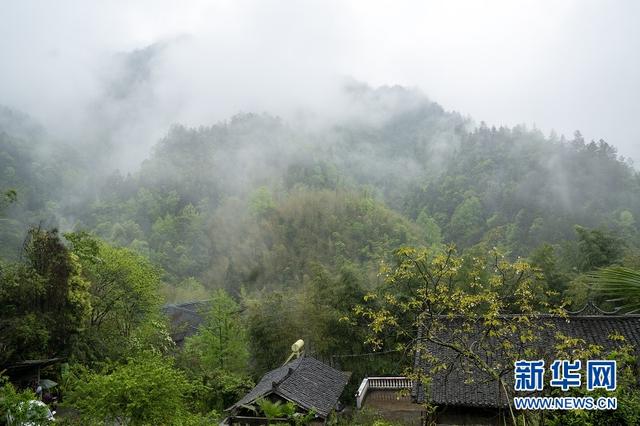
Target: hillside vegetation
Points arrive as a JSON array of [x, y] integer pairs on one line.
[[284, 223]]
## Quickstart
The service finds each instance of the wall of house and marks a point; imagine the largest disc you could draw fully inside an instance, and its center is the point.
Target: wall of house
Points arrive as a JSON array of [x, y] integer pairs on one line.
[[393, 406]]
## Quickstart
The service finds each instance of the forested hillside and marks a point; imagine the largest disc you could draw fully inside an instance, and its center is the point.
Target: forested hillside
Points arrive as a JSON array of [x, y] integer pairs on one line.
[[286, 224], [253, 201]]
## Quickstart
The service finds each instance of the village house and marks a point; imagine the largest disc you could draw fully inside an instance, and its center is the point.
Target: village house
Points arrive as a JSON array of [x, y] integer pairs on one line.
[[312, 386], [473, 397], [460, 399], [185, 319]]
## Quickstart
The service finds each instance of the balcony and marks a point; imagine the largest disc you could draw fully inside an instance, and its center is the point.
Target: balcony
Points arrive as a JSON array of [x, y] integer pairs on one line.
[[383, 395], [388, 385]]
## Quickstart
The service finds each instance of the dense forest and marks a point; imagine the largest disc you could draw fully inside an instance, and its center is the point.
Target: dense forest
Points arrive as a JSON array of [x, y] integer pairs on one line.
[[283, 226]]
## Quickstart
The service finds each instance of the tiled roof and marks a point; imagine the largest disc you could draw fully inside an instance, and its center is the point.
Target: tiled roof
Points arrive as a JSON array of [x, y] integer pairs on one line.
[[306, 382], [472, 387], [185, 318]]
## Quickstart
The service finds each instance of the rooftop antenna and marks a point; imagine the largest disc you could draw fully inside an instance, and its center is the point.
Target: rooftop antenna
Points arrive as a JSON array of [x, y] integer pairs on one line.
[[296, 350]]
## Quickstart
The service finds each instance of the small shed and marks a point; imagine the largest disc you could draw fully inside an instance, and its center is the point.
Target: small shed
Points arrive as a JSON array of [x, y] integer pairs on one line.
[[311, 385], [26, 373]]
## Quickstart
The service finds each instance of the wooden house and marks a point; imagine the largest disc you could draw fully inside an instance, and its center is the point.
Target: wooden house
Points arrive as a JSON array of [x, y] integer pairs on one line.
[[312, 386]]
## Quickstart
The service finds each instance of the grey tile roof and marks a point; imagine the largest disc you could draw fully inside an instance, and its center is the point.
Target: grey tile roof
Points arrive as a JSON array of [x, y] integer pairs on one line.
[[185, 318], [453, 386], [307, 382]]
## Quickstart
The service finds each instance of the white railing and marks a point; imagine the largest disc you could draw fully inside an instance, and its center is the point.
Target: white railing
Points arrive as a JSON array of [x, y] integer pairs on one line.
[[372, 383]]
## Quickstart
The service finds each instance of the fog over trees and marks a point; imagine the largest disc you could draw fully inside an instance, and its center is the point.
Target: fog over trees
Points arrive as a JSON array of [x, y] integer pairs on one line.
[[162, 169]]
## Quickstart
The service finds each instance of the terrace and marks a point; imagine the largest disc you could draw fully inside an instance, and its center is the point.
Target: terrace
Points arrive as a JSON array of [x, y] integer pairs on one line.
[[390, 396]]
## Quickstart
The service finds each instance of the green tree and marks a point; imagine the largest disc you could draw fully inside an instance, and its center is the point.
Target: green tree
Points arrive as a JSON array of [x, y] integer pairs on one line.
[[221, 341], [124, 296], [597, 248], [544, 258], [45, 300], [217, 355], [261, 202], [187, 290], [430, 226], [324, 302], [146, 390], [425, 290], [272, 327], [466, 220]]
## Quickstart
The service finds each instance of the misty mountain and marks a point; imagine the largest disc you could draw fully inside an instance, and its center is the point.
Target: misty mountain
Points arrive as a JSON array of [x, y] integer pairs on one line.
[[256, 200]]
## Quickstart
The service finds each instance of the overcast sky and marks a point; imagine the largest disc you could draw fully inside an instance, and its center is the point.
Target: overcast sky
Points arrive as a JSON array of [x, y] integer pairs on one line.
[[562, 65]]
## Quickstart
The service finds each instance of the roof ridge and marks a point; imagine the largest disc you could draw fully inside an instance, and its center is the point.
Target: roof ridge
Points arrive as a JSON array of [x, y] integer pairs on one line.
[[590, 309], [290, 371], [277, 383]]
